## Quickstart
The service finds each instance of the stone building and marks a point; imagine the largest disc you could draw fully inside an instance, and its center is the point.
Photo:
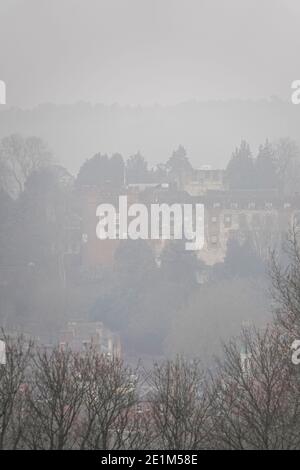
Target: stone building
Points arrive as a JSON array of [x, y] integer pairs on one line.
[[205, 179], [262, 216]]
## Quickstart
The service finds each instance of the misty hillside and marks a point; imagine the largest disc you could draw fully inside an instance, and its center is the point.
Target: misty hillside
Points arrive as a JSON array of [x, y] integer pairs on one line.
[[208, 130]]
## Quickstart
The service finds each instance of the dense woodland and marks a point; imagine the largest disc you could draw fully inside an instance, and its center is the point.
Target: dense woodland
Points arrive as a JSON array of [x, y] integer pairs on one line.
[[249, 399], [246, 312], [145, 303]]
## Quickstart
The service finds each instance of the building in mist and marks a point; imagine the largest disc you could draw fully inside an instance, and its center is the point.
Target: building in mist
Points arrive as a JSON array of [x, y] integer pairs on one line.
[[205, 179], [79, 335], [262, 216]]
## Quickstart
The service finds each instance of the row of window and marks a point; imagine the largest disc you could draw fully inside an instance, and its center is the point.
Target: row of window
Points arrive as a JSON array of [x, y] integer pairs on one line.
[[244, 219], [251, 205]]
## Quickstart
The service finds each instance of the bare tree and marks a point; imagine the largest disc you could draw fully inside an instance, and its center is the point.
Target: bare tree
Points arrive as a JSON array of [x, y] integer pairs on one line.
[[180, 405], [256, 399], [111, 418], [54, 398], [12, 381], [286, 285], [19, 158]]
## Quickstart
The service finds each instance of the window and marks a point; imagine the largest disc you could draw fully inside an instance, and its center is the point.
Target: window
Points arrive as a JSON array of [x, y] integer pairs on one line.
[[227, 220]]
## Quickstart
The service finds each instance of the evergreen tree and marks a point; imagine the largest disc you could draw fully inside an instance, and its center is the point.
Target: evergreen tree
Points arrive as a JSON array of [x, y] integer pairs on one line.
[[240, 172], [137, 169], [266, 177]]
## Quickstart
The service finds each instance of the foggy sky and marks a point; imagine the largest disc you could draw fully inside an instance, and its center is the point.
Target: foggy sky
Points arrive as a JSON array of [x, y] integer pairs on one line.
[[147, 51]]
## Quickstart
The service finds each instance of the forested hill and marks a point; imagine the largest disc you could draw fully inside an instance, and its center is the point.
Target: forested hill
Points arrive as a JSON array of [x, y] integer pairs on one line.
[[208, 130]]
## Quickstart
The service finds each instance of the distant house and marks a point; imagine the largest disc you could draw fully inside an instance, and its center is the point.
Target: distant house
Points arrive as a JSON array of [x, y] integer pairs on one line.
[[79, 335], [262, 216], [205, 179]]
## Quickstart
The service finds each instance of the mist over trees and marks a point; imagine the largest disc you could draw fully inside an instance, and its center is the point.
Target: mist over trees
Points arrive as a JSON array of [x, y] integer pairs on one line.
[[59, 399], [175, 310], [19, 158], [149, 229], [78, 131], [140, 298], [276, 166], [101, 169]]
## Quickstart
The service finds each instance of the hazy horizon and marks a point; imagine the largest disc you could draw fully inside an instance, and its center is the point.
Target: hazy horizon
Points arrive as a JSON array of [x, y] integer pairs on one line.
[[266, 99], [146, 52], [209, 130], [150, 213]]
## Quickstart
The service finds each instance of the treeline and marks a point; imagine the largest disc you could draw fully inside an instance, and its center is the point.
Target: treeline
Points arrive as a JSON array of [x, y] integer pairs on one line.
[[42, 286], [276, 166], [58, 399], [101, 169], [62, 400]]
